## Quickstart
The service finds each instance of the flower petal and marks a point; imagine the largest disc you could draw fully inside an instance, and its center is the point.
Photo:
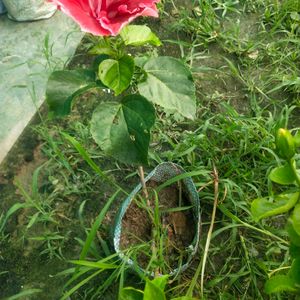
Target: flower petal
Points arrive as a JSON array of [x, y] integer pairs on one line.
[[81, 12], [106, 17]]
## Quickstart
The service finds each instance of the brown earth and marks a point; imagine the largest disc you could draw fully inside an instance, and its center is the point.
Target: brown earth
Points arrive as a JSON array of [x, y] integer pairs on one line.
[[177, 227]]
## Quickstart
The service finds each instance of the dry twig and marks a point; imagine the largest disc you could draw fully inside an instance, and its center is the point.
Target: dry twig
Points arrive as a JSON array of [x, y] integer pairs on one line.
[[143, 182], [213, 216]]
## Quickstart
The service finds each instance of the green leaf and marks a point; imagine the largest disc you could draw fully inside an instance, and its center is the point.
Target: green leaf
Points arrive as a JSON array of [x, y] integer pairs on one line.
[[296, 219], [85, 155], [140, 61], [102, 47], [282, 175], [169, 84], [294, 251], [33, 220], [64, 86], [285, 143], [122, 130], [10, 212], [97, 50], [294, 272], [98, 60], [152, 292], [263, 208], [280, 283], [297, 139], [130, 293], [117, 74], [161, 281], [95, 227], [294, 237], [80, 284], [138, 35]]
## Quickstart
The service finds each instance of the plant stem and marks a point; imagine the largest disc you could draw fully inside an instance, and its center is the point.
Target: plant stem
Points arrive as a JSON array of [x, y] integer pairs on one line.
[[143, 182], [277, 270], [211, 227]]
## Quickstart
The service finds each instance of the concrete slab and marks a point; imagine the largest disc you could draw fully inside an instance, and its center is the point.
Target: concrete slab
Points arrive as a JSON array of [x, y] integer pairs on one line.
[[29, 52]]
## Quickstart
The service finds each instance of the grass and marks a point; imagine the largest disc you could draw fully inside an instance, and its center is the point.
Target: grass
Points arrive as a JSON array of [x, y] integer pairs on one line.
[[245, 60]]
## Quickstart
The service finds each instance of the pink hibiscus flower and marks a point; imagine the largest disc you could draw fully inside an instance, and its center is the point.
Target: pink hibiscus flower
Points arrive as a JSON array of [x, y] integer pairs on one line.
[[106, 17]]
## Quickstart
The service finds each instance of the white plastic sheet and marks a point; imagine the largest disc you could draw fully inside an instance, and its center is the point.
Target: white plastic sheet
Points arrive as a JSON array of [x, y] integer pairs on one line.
[[29, 10]]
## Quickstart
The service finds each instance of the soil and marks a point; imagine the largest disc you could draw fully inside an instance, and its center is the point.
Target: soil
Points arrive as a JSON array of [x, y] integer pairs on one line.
[[21, 266], [178, 227]]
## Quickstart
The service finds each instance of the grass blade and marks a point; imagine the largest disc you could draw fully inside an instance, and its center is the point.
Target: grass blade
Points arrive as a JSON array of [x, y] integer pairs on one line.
[[89, 160], [10, 212], [24, 293], [180, 177], [96, 226]]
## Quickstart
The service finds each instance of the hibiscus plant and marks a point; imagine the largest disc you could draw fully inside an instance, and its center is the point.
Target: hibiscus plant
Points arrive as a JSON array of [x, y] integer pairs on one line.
[[122, 127]]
